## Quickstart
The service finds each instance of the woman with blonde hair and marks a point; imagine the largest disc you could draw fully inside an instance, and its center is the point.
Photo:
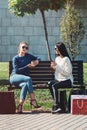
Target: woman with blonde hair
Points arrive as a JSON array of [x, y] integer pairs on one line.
[[20, 74]]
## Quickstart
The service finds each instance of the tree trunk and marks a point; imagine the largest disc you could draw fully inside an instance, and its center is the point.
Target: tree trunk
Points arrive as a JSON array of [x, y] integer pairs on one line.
[[46, 35]]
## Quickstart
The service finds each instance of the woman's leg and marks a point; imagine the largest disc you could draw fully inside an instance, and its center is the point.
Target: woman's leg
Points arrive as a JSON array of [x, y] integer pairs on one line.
[[56, 106], [30, 91], [55, 88], [25, 83], [50, 83], [23, 92]]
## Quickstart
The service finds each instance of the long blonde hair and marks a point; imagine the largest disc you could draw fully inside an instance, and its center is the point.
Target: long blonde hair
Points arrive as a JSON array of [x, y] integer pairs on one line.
[[23, 42]]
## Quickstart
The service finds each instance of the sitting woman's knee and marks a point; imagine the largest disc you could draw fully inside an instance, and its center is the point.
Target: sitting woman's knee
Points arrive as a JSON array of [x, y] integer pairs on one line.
[[29, 79]]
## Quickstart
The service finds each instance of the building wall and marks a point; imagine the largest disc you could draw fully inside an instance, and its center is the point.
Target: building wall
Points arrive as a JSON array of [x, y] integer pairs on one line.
[[14, 29]]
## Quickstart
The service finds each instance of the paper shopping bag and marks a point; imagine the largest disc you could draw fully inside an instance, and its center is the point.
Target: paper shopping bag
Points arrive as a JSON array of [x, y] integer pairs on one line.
[[7, 103], [79, 104]]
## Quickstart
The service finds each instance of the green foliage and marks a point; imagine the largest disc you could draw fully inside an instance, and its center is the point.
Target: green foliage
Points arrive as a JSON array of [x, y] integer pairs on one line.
[[72, 28], [22, 7]]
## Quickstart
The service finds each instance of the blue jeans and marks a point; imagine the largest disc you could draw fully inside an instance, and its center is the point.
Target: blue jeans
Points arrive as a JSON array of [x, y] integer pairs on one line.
[[24, 82]]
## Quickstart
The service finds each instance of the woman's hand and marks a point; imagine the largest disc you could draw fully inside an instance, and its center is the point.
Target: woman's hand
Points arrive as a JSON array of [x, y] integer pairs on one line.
[[53, 65], [33, 63]]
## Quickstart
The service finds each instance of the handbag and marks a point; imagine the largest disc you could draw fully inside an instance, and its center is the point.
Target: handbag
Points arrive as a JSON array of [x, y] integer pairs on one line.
[[79, 104]]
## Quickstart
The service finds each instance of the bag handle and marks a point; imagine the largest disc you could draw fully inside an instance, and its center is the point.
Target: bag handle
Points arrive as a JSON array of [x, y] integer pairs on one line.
[[80, 106]]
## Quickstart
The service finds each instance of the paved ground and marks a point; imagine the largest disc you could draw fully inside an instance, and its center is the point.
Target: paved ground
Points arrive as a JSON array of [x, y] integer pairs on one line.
[[42, 121]]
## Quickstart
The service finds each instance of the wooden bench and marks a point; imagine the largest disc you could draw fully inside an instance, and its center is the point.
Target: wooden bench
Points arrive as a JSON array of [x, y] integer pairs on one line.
[[40, 75], [43, 73]]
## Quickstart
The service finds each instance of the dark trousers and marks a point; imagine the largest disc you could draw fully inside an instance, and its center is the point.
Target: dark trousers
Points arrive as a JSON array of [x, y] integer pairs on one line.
[[54, 85]]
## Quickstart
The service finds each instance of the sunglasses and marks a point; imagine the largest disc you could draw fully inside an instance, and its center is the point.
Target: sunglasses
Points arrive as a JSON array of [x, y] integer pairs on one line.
[[25, 47], [55, 48]]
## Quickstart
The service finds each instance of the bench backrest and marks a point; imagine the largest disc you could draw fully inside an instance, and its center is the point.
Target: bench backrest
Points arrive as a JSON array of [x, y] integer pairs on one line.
[[43, 72], [78, 72], [40, 74]]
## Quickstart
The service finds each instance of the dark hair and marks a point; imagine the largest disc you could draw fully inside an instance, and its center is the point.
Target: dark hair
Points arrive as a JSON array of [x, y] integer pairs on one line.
[[61, 47]]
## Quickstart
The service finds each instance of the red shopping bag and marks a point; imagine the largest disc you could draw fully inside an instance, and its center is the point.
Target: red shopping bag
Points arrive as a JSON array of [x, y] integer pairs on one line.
[[79, 104], [7, 103]]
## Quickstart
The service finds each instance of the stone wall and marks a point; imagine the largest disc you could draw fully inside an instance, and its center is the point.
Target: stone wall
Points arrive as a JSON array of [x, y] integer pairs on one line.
[[14, 29]]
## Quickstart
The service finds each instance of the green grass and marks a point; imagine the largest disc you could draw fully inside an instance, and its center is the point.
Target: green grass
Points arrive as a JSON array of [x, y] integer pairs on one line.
[[85, 72], [4, 70], [43, 96]]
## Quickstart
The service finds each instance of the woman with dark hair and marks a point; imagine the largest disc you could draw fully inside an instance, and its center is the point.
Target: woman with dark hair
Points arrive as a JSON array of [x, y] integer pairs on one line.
[[20, 74], [63, 74]]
